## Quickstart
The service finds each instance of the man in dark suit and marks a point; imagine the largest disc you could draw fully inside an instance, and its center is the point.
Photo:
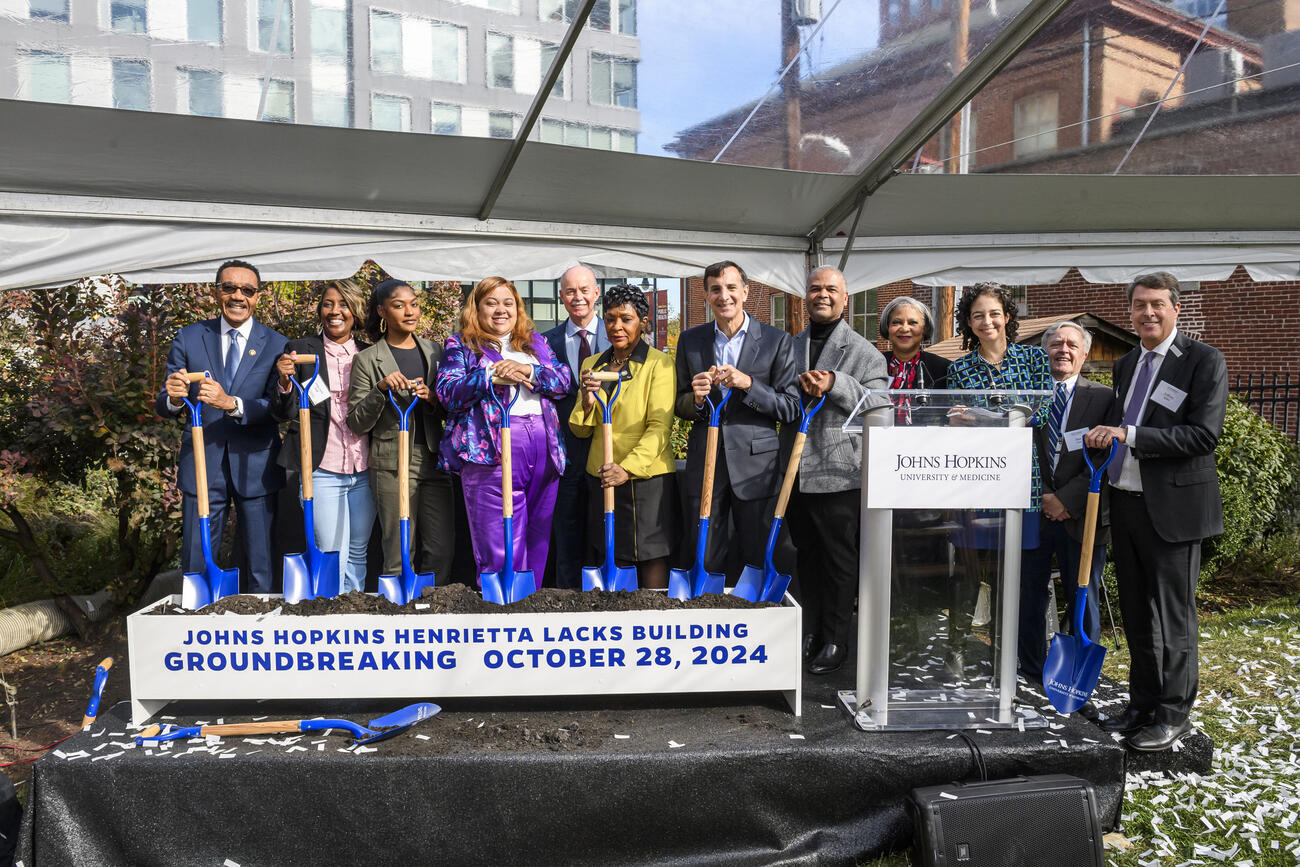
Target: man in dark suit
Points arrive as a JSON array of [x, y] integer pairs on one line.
[[756, 363], [1078, 405], [241, 438], [572, 341], [1171, 395]]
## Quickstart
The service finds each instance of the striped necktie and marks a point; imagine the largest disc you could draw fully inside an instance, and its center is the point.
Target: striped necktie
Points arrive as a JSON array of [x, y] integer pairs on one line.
[[1055, 421], [232, 359]]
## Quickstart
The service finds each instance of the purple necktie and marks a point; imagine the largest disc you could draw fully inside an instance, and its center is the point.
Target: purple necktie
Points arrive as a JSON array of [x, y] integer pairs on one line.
[[584, 348], [1137, 396]]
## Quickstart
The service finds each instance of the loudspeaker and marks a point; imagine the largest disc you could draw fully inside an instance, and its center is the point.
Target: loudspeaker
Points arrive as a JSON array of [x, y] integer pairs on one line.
[[1017, 822]]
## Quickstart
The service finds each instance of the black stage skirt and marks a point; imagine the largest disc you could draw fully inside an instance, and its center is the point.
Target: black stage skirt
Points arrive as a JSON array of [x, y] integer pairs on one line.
[[645, 519]]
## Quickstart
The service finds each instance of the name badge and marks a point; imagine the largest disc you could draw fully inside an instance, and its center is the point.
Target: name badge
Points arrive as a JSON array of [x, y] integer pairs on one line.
[[1073, 439], [319, 391], [1169, 396]]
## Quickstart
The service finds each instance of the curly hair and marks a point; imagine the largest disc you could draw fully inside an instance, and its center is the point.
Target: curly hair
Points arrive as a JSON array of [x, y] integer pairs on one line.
[[620, 294], [996, 290], [476, 336]]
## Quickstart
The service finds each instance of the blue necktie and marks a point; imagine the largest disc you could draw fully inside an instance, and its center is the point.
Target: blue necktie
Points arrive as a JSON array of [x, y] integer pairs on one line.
[[232, 359], [1056, 419], [1137, 396]]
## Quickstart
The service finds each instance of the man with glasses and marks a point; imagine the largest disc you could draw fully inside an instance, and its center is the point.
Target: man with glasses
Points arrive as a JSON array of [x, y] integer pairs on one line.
[[241, 438]]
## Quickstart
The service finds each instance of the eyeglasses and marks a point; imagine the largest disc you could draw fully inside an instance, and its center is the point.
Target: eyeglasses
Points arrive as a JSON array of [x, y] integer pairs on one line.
[[232, 288]]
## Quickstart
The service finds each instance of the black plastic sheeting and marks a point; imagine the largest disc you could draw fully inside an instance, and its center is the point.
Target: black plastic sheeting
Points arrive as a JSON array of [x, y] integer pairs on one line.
[[738, 790]]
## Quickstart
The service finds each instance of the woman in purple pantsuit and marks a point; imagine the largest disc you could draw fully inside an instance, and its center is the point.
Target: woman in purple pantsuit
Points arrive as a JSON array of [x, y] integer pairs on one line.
[[497, 338]]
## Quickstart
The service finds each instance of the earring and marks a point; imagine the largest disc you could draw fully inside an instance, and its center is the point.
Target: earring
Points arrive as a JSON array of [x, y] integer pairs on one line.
[[383, 326]]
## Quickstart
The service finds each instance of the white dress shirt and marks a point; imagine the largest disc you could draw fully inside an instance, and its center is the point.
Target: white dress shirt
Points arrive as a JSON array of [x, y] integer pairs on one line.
[[1069, 383], [595, 338], [1130, 475], [245, 331]]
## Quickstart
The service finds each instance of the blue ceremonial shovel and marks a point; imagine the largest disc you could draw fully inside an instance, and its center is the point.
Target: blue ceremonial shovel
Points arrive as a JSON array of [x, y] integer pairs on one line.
[[766, 584], [608, 576], [688, 583], [506, 585], [401, 589], [1073, 664], [96, 692], [315, 573], [202, 588], [392, 724]]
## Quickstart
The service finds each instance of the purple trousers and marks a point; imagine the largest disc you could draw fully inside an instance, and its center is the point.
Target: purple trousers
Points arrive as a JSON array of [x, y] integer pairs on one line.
[[533, 486]]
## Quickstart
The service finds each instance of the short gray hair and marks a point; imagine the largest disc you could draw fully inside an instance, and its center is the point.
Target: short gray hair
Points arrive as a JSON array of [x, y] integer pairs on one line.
[[927, 318], [1155, 280], [1068, 323], [820, 268]]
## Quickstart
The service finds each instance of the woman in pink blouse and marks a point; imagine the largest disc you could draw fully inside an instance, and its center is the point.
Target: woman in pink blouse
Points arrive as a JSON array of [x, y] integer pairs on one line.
[[345, 508]]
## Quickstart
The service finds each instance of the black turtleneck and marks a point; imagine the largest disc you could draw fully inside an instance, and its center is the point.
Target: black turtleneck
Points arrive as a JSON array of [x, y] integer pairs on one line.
[[817, 334]]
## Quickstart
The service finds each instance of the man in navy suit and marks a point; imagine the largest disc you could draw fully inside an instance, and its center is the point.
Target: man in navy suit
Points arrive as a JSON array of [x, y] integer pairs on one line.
[[241, 438], [1171, 394], [573, 340]]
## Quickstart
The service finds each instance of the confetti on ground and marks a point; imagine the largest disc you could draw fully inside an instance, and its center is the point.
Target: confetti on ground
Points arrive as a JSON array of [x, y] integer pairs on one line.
[[672, 745]]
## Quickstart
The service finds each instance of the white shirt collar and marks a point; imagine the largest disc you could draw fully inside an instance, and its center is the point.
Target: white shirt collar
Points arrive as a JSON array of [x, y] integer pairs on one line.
[[244, 330], [571, 328], [1162, 349], [744, 328], [1069, 383]]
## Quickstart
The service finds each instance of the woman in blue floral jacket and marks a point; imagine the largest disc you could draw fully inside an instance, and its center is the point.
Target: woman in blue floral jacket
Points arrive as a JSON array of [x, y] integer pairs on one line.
[[497, 338]]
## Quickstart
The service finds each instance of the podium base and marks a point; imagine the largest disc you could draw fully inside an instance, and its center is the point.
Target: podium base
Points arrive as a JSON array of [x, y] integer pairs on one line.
[[928, 710]]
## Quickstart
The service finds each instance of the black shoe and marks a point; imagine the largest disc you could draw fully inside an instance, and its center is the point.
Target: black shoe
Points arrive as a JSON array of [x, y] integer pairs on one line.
[[1088, 711], [1158, 736], [810, 647], [829, 659], [1129, 721]]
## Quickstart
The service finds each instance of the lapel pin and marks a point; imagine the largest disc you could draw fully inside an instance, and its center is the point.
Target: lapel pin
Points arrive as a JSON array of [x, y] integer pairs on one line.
[[252, 352]]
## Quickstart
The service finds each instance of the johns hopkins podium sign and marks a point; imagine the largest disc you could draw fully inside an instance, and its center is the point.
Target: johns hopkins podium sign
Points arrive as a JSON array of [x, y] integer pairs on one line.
[[946, 478]]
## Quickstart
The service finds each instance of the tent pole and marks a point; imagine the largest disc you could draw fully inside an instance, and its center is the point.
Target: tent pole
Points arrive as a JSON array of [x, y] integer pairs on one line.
[[853, 233], [534, 111], [965, 84]]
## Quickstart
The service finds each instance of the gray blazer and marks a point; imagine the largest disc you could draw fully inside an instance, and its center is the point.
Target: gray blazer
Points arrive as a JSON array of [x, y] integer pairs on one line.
[[832, 459], [369, 411], [1089, 408]]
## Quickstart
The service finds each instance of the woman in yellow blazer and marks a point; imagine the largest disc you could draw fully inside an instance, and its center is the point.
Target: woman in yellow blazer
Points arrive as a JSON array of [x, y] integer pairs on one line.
[[642, 472]]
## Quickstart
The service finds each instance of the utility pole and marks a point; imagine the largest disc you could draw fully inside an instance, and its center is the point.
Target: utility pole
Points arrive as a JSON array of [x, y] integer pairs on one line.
[[790, 84]]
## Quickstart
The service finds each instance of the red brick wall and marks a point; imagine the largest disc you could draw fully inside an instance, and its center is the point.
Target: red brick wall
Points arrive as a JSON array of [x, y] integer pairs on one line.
[[758, 305]]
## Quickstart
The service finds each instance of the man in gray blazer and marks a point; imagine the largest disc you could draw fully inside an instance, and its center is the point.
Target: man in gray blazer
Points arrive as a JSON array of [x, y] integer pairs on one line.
[[832, 360], [1078, 404], [756, 364]]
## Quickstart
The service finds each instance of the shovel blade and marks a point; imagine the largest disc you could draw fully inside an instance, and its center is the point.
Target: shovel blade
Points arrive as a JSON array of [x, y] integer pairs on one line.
[[679, 584], [625, 578], [400, 721], [390, 587], [223, 582], [324, 574], [709, 582], [298, 584], [593, 578], [774, 590], [195, 593], [751, 584], [1071, 672], [490, 583], [521, 585]]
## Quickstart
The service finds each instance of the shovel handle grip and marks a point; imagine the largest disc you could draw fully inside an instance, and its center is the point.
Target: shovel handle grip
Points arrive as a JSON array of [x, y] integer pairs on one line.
[[791, 471], [197, 375], [510, 383], [273, 726], [303, 357], [304, 451], [606, 375], [607, 439], [1089, 536], [710, 464]]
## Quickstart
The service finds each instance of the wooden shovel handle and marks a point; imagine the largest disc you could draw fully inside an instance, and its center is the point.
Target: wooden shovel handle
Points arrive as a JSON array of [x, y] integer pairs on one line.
[[607, 439], [301, 358], [605, 375], [273, 726], [507, 481], [200, 470], [791, 471], [403, 474], [196, 375], [304, 451], [1089, 537], [710, 463], [501, 380]]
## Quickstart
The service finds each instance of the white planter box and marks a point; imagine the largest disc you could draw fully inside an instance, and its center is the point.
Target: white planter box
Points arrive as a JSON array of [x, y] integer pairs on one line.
[[435, 656]]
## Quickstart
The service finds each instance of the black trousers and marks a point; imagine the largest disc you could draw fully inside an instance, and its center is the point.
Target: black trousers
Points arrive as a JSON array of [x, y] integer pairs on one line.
[[569, 526], [825, 531], [1157, 596], [737, 528]]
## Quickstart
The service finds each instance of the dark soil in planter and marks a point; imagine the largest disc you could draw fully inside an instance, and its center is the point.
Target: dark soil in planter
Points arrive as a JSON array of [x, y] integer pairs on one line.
[[463, 599]]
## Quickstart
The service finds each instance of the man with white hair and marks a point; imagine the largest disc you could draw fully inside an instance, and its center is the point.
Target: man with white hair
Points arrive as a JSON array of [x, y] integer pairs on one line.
[[1078, 404]]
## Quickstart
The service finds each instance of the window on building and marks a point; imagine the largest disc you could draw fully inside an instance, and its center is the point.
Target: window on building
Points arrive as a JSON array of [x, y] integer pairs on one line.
[[500, 60], [49, 10], [131, 85], [779, 306], [275, 17], [552, 131], [446, 119], [549, 52], [576, 135], [600, 15], [449, 52], [128, 16], [501, 124], [1036, 120], [613, 81], [392, 113], [49, 77], [385, 42], [329, 33], [541, 301], [862, 309], [893, 11], [558, 10], [602, 139], [936, 5], [627, 141], [916, 8], [626, 17], [279, 101], [510, 7], [331, 109], [205, 93], [203, 20]]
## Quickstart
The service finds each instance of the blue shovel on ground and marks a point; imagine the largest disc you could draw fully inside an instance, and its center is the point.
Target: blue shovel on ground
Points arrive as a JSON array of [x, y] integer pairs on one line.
[[1073, 664], [401, 589], [609, 576], [203, 588], [392, 724], [507, 585], [688, 583], [766, 584], [315, 573]]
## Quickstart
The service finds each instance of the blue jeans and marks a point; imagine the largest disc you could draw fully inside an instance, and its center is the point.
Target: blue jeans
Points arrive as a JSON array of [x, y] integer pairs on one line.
[[345, 515]]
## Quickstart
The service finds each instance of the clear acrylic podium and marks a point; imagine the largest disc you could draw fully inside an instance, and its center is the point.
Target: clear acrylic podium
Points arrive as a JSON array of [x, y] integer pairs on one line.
[[945, 480]]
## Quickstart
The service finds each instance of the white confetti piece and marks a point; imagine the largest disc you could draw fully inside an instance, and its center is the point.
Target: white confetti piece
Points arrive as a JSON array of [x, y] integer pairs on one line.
[[795, 737], [423, 737], [672, 745], [622, 737], [229, 863]]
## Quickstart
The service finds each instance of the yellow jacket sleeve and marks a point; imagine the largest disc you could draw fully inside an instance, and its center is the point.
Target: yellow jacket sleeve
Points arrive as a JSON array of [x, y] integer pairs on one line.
[[646, 457]]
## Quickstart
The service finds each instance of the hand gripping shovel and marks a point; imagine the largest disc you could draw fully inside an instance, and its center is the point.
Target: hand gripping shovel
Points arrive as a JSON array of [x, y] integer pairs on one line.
[[766, 584], [1073, 664], [201, 588], [392, 724], [609, 576], [315, 573], [687, 583], [506, 585], [401, 589]]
